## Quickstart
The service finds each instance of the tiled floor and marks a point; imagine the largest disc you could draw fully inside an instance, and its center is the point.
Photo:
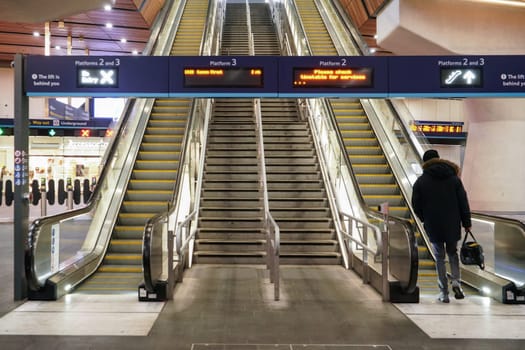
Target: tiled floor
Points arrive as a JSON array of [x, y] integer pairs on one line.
[[232, 307]]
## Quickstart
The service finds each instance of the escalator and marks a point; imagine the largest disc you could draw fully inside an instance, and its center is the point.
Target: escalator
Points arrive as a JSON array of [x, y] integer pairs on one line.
[[151, 183], [154, 175], [377, 182]]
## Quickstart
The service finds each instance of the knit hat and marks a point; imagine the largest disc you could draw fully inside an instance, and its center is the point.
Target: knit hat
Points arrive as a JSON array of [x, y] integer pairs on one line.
[[430, 154]]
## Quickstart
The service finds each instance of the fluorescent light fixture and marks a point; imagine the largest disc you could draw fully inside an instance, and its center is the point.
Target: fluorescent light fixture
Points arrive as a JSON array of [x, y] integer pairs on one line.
[[503, 2]]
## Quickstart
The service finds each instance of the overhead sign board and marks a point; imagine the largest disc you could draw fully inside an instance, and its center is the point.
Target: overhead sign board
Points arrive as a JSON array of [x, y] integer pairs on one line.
[[223, 76], [107, 76], [456, 76], [276, 76], [333, 76]]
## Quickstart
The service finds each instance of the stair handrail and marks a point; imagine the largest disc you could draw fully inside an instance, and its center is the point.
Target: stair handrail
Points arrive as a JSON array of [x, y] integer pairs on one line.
[[186, 229], [251, 44], [45, 225], [350, 224], [273, 235]]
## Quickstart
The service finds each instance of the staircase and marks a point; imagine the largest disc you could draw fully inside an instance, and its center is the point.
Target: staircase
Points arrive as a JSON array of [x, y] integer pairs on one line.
[[265, 38], [154, 175], [298, 200], [231, 217], [231, 210], [235, 32]]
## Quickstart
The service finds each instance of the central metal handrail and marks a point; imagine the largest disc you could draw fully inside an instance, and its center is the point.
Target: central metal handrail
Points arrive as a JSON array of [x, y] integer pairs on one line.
[[251, 43], [349, 225], [273, 236]]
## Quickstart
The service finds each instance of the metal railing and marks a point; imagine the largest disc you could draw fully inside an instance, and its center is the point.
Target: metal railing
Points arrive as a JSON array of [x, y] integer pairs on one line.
[[351, 225], [273, 236], [401, 242]]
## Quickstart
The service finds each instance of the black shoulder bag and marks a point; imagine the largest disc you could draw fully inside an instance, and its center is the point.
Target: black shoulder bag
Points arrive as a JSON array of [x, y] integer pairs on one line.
[[471, 252]]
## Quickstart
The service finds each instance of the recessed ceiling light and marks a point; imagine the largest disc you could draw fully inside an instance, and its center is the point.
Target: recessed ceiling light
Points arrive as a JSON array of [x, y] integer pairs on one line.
[[107, 7], [123, 40], [57, 47], [109, 25], [135, 52], [36, 34]]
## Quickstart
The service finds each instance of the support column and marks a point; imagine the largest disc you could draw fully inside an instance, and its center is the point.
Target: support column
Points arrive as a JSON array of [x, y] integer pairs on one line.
[[21, 179]]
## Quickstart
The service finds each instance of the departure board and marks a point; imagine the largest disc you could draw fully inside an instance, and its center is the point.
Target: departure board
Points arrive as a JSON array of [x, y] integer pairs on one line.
[[243, 77], [333, 77], [224, 76]]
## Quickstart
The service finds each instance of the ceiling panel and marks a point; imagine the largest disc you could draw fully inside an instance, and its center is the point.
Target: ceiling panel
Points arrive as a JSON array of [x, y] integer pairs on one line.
[[88, 32], [90, 35]]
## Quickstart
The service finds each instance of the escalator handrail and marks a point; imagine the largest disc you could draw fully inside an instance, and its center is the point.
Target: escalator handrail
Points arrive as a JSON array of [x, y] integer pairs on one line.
[[150, 277], [34, 230], [405, 223]]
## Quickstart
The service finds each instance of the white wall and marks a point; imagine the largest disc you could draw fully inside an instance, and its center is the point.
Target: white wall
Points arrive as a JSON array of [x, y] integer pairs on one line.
[[37, 105], [437, 110], [7, 95]]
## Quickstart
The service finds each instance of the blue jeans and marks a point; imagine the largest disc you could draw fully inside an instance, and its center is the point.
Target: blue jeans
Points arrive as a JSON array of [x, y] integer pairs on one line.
[[450, 248]]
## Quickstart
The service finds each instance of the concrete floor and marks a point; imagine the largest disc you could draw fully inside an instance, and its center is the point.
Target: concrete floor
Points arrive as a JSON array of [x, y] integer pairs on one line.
[[231, 307]]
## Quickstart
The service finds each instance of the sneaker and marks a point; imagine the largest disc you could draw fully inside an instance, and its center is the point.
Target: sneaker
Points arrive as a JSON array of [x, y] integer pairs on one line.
[[443, 298], [458, 292]]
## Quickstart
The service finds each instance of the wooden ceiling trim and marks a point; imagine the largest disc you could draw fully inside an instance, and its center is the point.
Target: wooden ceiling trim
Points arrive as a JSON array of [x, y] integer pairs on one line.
[[374, 6], [356, 10]]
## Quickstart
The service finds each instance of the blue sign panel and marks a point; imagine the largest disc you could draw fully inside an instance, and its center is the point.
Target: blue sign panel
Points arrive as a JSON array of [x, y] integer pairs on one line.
[[221, 76], [275, 76], [108, 76], [456, 76], [333, 76]]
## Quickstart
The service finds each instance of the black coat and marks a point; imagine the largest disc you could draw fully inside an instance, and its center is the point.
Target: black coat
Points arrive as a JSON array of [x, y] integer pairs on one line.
[[440, 201]]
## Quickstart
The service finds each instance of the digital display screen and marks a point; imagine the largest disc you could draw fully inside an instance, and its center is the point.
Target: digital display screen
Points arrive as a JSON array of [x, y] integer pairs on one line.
[[461, 77], [97, 77], [333, 77], [223, 77]]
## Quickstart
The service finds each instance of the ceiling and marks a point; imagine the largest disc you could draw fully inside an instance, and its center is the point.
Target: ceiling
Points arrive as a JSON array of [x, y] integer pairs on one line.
[[85, 22]]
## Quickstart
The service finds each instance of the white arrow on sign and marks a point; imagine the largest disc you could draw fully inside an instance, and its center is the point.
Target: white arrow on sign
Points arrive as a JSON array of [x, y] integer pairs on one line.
[[469, 76]]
